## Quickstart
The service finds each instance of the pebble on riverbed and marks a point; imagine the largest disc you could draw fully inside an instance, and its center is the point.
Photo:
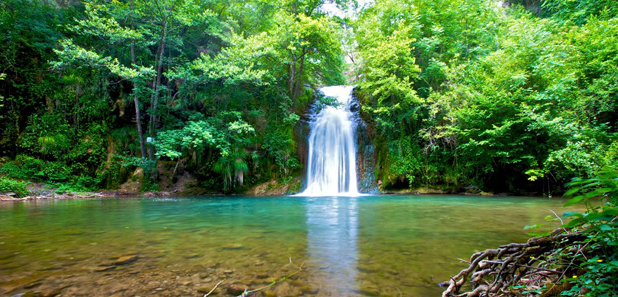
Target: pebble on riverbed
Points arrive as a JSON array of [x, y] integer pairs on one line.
[[236, 246], [235, 289], [122, 260]]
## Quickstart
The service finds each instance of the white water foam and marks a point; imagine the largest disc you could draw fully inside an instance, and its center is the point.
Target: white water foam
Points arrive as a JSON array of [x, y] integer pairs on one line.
[[331, 166]]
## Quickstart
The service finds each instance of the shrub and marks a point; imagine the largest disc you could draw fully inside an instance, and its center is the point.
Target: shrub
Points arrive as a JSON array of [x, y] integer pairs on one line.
[[30, 168], [8, 185], [599, 270]]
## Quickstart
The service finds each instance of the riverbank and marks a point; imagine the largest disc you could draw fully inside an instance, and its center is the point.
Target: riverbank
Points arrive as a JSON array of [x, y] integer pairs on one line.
[[273, 193]]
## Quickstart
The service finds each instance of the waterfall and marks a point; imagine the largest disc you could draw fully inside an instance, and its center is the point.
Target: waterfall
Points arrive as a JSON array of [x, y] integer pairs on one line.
[[331, 166]]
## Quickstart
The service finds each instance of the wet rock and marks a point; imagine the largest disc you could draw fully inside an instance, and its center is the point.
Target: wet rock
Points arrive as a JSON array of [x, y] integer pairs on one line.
[[235, 289], [192, 256], [32, 284], [228, 271], [204, 290], [49, 293], [124, 260], [236, 246], [186, 283], [103, 268], [262, 275]]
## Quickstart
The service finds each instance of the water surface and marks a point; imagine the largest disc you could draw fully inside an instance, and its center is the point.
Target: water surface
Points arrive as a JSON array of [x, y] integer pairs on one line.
[[364, 246]]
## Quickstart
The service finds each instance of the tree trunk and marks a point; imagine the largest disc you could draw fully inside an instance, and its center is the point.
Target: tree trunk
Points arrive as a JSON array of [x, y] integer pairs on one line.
[[138, 121], [155, 88]]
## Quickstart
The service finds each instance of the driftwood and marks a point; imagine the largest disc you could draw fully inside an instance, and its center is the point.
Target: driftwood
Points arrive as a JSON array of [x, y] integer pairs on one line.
[[513, 268]]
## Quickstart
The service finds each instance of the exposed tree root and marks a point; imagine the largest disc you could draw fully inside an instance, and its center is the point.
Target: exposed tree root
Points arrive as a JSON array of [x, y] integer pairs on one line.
[[513, 268]]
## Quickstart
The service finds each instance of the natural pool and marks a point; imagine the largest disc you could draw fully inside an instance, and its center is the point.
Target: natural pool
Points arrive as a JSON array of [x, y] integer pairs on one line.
[[364, 246]]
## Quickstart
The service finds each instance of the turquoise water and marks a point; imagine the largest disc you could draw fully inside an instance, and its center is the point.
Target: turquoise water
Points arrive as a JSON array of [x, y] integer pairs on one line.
[[365, 246]]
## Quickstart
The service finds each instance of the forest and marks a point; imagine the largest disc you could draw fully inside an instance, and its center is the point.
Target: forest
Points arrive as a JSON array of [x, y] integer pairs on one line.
[[515, 97], [459, 95], [200, 97]]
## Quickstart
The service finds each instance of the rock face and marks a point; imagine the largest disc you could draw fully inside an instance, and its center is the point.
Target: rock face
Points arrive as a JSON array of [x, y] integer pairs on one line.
[[276, 188], [365, 152], [134, 184]]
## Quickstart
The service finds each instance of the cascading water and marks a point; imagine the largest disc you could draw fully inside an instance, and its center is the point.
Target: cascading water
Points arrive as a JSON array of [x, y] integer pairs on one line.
[[331, 166]]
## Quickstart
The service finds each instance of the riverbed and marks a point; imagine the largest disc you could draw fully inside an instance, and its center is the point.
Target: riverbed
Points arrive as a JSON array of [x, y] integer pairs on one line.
[[285, 246]]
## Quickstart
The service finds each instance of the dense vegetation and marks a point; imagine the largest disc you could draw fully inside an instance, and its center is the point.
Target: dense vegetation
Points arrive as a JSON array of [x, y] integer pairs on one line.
[[461, 95], [94, 89], [490, 95]]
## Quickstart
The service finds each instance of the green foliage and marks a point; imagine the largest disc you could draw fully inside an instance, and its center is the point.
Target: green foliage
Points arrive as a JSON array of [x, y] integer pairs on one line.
[[278, 145], [501, 99], [196, 72], [460, 93], [197, 136], [600, 222], [580, 11], [30, 168], [7, 185]]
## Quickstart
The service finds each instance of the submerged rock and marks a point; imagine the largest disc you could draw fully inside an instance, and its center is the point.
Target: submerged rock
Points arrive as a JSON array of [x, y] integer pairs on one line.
[[103, 268], [125, 260], [236, 246], [285, 289], [49, 293], [228, 271], [191, 256], [235, 289], [204, 290]]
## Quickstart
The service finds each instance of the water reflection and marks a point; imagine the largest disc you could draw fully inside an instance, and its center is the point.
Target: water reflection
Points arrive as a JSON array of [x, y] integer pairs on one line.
[[332, 232], [364, 246]]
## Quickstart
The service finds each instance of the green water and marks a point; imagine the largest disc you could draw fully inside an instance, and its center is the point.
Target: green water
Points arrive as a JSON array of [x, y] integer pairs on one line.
[[365, 246]]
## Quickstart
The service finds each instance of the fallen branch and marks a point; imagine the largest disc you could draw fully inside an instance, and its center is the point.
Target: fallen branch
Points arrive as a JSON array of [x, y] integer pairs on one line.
[[507, 269]]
